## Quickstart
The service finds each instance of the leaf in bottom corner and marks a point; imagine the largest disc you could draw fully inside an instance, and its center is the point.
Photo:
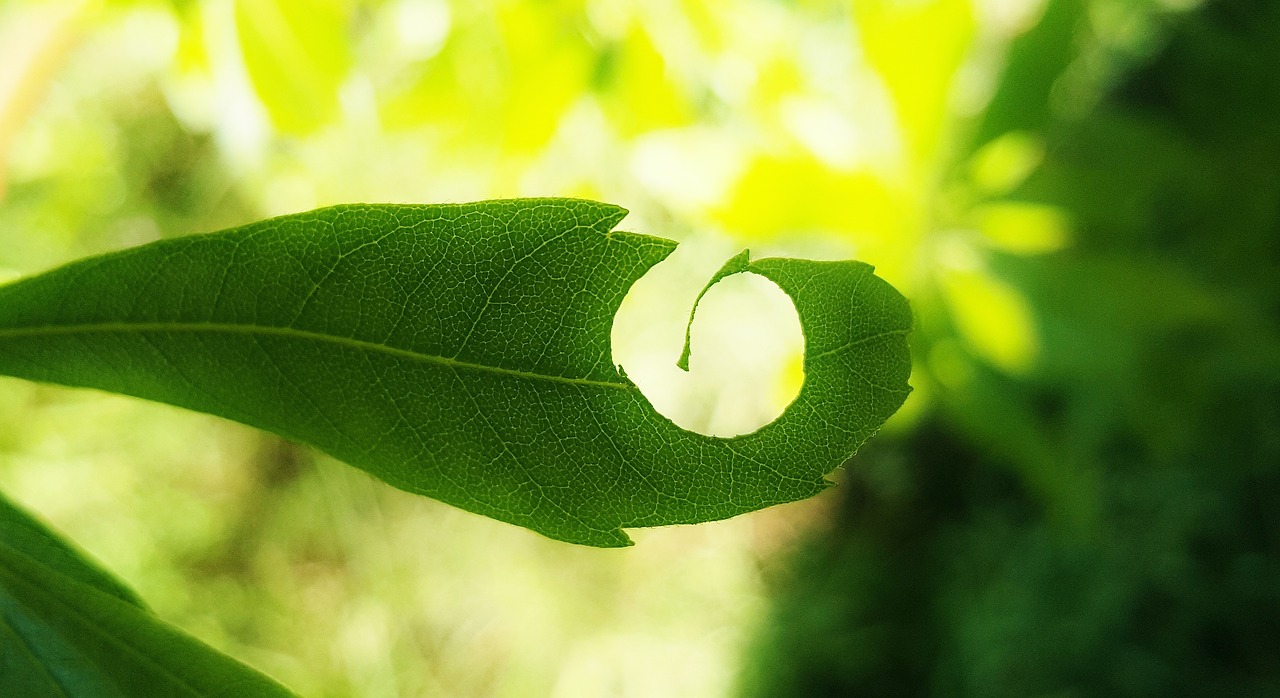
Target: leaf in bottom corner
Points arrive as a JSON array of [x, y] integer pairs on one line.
[[70, 629]]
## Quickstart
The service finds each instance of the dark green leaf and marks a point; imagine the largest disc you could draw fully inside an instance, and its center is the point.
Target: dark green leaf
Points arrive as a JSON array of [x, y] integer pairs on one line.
[[68, 628], [461, 352]]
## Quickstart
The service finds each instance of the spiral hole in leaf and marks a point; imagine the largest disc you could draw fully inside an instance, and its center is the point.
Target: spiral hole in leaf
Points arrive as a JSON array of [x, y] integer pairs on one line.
[[747, 358]]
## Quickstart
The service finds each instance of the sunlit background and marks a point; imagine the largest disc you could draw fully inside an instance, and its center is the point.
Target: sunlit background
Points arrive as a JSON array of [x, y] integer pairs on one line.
[[1081, 198]]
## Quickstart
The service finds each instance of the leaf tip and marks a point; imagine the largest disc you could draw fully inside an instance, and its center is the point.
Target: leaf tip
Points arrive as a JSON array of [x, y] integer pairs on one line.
[[592, 537], [738, 263], [619, 539], [615, 538], [609, 215]]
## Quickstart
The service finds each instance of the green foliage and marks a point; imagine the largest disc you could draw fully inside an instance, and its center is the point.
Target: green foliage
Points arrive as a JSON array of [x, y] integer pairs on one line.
[[1104, 524], [1080, 499], [67, 628], [461, 352]]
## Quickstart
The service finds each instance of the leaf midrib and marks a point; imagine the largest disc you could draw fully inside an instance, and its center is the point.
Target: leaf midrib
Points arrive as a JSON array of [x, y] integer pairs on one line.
[[294, 333]]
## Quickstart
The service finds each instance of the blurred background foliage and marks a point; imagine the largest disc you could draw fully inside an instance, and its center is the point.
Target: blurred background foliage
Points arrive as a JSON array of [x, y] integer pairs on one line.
[[1081, 198]]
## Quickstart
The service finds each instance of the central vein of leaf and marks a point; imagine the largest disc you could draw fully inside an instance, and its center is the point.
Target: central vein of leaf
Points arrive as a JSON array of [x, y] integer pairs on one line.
[[293, 333]]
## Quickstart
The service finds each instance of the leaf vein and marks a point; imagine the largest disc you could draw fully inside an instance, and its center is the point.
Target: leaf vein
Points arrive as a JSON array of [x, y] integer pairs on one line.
[[295, 333]]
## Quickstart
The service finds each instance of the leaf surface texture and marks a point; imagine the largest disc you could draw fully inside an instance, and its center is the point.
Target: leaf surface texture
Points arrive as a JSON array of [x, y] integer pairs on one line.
[[461, 352]]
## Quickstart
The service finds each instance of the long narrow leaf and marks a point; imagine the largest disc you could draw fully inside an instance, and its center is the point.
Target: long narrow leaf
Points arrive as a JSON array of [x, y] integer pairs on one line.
[[461, 352]]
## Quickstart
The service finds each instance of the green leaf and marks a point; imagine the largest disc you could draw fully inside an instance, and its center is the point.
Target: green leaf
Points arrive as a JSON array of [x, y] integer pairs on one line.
[[68, 628], [461, 352], [25, 536]]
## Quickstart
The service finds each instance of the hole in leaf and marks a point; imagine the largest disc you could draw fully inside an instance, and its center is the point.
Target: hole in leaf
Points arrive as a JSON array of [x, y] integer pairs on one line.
[[747, 360]]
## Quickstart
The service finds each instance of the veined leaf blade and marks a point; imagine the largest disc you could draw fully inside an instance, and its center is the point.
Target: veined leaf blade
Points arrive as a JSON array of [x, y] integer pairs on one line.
[[461, 352]]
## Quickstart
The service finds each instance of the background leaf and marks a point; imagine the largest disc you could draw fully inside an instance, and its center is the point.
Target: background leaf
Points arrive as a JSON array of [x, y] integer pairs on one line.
[[461, 352], [68, 628], [1104, 522]]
